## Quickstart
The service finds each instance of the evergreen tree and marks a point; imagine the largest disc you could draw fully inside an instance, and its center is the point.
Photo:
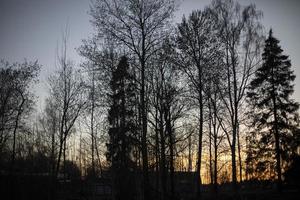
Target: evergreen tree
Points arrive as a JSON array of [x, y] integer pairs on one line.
[[274, 112], [122, 130]]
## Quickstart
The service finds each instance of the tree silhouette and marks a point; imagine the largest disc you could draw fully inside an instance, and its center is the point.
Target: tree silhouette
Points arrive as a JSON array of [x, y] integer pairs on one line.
[[16, 100], [138, 26], [198, 49], [122, 130], [240, 35], [275, 113]]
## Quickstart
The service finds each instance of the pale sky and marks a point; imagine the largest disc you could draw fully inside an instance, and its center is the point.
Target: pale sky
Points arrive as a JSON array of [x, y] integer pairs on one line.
[[31, 29]]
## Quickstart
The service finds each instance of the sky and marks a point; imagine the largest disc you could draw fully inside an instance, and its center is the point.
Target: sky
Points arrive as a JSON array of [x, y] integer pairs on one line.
[[32, 30]]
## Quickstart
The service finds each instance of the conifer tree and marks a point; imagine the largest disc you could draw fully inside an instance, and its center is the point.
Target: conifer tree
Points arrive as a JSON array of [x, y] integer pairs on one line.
[[122, 130], [274, 112]]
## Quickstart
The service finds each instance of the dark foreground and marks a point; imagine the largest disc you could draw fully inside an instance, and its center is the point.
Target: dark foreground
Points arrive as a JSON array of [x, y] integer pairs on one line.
[[39, 187]]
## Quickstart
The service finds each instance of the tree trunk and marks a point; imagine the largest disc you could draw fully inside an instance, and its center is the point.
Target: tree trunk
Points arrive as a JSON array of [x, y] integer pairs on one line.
[[210, 144], [144, 132], [157, 160], [234, 125], [53, 146], [64, 160], [198, 183], [215, 152], [277, 143], [61, 142], [162, 155], [199, 150], [92, 123], [171, 147], [239, 155], [14, 135], [233, 160], [12, 166], [190, 164]]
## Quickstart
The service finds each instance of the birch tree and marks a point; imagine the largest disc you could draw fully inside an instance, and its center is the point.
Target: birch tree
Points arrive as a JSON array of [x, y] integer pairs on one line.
[[241, 37]]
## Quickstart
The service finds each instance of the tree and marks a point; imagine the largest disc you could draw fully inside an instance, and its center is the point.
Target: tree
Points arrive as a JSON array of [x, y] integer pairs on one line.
[[122, 130], [50, 123], [275, 116], [16, 104], [93, 110], [165, 108], [101, 63], [16, 100], [139, 26], [198, 49], [214, 80], [240, 35], [67, 93]]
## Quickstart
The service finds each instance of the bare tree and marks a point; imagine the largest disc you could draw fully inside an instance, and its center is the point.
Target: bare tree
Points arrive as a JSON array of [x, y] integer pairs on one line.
[[215, 106], [165, 109], [198, 48], [67, 91], [240, 33], [16, 100], [49, 124], [140, 27], [102, 60]]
